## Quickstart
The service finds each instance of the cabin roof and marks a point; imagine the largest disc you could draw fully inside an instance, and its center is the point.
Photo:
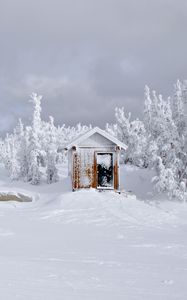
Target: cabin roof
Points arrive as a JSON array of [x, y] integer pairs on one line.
[[89, 133]]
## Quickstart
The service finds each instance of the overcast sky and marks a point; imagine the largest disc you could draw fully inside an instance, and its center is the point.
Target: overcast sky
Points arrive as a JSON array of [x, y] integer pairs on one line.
[[87, 56]]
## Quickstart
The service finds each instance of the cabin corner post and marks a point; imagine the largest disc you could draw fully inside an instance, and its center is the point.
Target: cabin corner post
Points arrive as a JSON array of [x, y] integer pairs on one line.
[[69, 162], [94, 178], [117, 170], [74, 169]]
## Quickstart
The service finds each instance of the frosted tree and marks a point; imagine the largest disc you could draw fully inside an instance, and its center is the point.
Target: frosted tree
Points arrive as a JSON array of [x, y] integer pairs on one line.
[[124, 124], [33, 159], [165, 180], [112, 129], [7, 153], [24, 154], [180, 119], [178, 107], [10, 157], [138, 143], [52, 171], [14, 167], [2, 150], [160, 141], [35, 153], [152, 153], [34, 174], [147, 109], [51, 132], [159, 124], [166, 126], [181, 192], [131, 133]]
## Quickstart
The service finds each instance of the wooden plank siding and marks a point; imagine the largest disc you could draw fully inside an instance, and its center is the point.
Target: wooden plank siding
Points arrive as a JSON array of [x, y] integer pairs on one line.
[[116, 177], [76, 171], [94, 178], [81, 171], [116, 170]]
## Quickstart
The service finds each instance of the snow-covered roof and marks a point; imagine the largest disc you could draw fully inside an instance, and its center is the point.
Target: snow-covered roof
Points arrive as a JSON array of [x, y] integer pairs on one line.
[[89, 133]]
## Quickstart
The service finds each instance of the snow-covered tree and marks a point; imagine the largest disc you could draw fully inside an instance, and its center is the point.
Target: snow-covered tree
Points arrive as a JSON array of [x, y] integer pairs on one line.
[[34, 174], [131, 133], [34, 151], [166, 126], [160, 141], [24, 153], [14, 168], [147, 109], [2, 150], [179, 106], [52, 171], [165, 180]]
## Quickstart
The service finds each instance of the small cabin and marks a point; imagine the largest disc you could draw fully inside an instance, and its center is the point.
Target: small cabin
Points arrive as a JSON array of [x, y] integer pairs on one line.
[[93, 161]]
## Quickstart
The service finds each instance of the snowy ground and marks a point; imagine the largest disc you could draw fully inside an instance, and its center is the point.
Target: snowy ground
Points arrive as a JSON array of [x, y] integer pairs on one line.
[[90, 245]]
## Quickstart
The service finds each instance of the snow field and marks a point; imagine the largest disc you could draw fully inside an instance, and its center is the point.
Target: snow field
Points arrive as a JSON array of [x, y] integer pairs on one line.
[[92, 245]]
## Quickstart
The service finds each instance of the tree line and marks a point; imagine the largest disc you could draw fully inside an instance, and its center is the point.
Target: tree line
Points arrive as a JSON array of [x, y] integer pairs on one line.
[[157, 141]]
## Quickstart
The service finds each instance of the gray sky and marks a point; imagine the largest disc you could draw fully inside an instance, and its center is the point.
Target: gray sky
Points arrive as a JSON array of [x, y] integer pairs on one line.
[[88, 56]]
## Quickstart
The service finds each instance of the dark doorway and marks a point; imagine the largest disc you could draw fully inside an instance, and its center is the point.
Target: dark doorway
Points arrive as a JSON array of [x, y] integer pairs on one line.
[[105, 176]]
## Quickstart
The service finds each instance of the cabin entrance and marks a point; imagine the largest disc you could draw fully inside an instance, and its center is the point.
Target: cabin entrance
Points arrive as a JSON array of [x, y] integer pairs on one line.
[[105, 171]]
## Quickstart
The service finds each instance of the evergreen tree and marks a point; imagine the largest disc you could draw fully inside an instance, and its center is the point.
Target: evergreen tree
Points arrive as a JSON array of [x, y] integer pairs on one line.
[[131, 133], [34, 174], [52, 172]]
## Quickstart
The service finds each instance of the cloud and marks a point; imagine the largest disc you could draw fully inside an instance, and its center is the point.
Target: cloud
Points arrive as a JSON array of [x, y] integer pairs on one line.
[[88, 56]]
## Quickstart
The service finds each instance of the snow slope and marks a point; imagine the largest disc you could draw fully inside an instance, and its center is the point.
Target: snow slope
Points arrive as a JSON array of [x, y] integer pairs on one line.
[[92, 245]]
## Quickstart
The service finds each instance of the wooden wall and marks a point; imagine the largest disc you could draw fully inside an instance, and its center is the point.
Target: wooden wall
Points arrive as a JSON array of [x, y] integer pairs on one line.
[[84, 167]]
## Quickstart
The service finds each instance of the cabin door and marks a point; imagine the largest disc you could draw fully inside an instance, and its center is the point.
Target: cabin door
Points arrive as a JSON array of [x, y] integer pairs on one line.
[[105, 170]]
